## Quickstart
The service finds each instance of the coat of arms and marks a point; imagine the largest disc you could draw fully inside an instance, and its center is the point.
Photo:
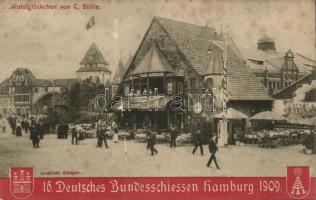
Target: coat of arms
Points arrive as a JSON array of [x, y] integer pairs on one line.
[[21, 182]]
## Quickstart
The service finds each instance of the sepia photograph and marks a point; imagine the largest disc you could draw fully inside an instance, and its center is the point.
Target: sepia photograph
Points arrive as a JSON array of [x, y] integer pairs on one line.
[[165, 88]]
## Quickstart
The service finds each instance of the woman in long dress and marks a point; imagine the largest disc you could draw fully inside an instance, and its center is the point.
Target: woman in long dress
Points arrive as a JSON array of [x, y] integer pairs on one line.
[[115, 136], [18, 129]]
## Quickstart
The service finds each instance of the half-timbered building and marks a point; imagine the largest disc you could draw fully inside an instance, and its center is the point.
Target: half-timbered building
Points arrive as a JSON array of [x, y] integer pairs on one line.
[[175, 64]]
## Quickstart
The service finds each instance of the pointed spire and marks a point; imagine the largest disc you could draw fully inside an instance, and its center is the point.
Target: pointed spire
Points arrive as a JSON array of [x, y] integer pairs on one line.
[[93, 56], [153, 62]]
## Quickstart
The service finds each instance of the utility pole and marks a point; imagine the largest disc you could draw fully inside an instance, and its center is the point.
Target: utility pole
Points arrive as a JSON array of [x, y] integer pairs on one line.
[[53, 94]]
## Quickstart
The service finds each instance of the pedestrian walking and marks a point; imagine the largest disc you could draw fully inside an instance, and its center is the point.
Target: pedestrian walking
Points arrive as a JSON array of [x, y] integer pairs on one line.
[[3, 125], [81, 135], [41, 130], [59, 131], [115, 129], [151, 143], [66, 128], [148, 139], [99, 136], [18, 129], [34, 134], [74, 136], [12, 123], [213, 149], [26, 126], [103, 137], [198, 142], [173, 137]]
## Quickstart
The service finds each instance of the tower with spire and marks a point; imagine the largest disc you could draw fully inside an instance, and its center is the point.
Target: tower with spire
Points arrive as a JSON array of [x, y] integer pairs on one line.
[[94, 67], [119, 74]]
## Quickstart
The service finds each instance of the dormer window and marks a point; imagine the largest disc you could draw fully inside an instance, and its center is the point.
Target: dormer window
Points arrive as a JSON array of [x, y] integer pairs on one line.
[[258, 62]]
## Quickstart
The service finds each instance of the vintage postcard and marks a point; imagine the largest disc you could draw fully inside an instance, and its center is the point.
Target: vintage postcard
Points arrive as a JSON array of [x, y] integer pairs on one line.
[[164, 99]]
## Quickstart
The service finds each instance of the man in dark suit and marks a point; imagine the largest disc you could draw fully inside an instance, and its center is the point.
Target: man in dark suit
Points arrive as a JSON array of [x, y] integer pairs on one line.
[[74, 136], [99, 137], [173, 137], [66, 128], [104, 136], [213, 149], [59, 131], [34, 135], [26, 126], [151, 144], [198, 142]]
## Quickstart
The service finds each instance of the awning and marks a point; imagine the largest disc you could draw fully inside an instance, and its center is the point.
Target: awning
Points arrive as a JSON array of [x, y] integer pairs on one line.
[[231, 113], [296, 119], [142, 103], [311, 121], [268, 115]]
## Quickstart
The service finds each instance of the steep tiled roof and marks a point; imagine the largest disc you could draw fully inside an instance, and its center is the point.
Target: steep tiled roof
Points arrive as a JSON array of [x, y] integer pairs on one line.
[[273, 61], [242, 83], [65, 82], [194, 41], [42, 83], [216, 63], [93, 56], [26, 72], [93, 69], [4, 87], [288, 92], [153, 61], [119, 73]]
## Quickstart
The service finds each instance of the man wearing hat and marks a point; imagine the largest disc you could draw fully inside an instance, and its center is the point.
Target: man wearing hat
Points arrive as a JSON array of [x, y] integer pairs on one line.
[[213, 149], [34, 136], [173, 137], [74, 136], [103, 137], [198, 142]]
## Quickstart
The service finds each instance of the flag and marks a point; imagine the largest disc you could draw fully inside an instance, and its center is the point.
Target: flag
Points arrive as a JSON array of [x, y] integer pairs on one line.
[[90, 23]]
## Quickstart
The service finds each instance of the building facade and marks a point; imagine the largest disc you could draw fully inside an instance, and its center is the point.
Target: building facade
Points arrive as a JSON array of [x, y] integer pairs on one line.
[[276, 70], [177, 62], [93, 66], [23, 93]]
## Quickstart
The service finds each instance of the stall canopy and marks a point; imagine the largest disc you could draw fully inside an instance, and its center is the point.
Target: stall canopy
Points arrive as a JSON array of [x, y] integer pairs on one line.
[[311, 121], [231, 113], [293, 118], [268, 115]]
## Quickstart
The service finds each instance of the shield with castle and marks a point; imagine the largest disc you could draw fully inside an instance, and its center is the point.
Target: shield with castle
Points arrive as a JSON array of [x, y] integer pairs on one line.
[[21, 182]]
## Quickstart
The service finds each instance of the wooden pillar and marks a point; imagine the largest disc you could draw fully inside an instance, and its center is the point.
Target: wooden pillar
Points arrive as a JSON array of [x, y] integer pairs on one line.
[[164, 83], [148, 83], [132, 82], [168, 120], [140, 84]]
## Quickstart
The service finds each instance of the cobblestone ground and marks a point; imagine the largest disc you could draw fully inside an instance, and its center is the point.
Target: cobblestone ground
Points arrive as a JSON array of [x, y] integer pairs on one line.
[[59, 155]]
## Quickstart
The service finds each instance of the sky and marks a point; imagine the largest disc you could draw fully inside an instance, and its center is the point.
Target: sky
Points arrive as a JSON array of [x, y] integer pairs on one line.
[[53, 42]]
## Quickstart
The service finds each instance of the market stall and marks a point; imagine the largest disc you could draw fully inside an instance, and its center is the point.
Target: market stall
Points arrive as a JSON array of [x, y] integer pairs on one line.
[[236, 124]]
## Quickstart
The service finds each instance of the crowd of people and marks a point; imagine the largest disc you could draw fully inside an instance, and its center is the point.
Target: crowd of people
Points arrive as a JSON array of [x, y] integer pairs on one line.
[[38, 128]]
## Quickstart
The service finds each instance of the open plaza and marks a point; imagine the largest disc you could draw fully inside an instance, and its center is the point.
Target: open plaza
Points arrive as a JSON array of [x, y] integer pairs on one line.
[[59, 158]]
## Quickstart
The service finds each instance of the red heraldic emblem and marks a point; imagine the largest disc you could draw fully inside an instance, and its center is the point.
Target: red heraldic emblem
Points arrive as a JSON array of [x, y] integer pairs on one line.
[[21, 182], [298, 181]]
